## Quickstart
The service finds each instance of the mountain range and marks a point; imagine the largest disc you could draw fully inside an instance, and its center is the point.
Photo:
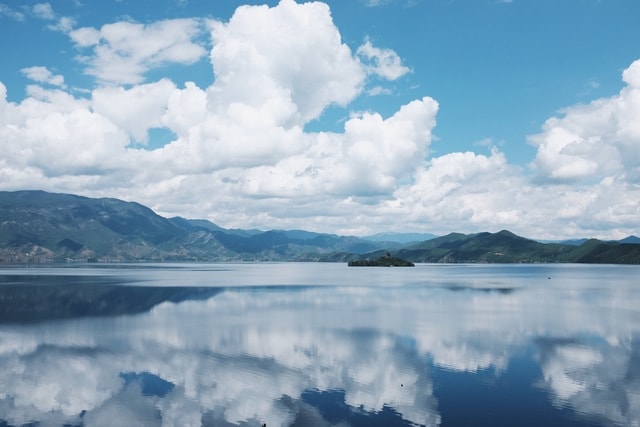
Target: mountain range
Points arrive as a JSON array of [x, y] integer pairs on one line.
[[41, 227]]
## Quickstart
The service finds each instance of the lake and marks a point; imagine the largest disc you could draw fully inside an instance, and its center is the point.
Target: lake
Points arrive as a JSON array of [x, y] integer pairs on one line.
[[320, 344]]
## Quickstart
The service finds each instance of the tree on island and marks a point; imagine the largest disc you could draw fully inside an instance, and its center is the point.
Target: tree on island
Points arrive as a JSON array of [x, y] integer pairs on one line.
[[384, 261]]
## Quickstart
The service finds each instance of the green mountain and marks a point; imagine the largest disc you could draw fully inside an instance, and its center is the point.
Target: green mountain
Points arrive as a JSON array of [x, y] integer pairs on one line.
[[36, 226], [630, 239], [506, 247], [400, 238]]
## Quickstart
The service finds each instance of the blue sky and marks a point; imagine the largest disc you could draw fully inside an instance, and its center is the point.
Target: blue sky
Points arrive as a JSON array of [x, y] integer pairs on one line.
[[350, 116]]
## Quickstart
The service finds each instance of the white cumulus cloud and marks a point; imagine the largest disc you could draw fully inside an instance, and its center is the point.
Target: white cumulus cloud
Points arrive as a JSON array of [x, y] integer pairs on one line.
[[384, 63], [593, 141], [290, 55], [244, 137], [43, 11], [134, 110], [124, 51], [43, 75]]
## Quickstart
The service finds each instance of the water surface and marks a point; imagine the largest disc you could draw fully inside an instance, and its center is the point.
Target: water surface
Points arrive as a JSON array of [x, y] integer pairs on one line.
[[291, 344]]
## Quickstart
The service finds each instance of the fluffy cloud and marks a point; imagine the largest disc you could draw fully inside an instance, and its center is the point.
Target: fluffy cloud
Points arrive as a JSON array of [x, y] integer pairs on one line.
[[43, 75], [596, 140], [43, 11], [134, 110], [462, 188], [384, 63], [11, 13], [124, 51], [57, 134], [368, 159], [244, 138], [290, 56]]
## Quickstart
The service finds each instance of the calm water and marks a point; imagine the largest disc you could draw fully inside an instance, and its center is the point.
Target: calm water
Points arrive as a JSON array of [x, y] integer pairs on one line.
[[320, 345]]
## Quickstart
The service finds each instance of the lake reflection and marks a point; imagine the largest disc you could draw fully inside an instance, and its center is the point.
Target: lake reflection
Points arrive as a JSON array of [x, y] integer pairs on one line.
[[320, 345]]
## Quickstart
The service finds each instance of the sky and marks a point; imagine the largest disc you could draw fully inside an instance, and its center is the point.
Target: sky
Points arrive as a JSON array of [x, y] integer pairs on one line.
[[351, 117]]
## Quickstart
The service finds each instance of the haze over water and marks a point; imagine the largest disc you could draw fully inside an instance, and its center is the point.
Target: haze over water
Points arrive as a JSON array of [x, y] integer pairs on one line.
[[294, 344]]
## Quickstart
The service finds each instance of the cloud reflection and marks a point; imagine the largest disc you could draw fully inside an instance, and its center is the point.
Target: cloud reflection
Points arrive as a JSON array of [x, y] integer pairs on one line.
[[598, 380], [252, 356], [235, 359]]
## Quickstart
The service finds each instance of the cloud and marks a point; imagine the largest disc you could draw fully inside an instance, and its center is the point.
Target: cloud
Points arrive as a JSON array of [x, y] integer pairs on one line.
[[384, 63], [244, 138], [43, 75], [86, 37], [375, 3], [593, 141], [134, 110], [368, 159], [379, 90], [11, 13], [124, 51], [65, 24], [291, 55], [57, 134], [43, 11], [461, 187]]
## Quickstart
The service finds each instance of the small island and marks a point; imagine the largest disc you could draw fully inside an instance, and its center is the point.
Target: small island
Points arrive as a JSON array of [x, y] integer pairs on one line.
[[384, 261]]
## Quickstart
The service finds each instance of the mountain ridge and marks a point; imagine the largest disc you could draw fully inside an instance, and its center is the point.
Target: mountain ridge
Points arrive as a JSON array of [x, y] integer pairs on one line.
[[42, 227], [36, 226]]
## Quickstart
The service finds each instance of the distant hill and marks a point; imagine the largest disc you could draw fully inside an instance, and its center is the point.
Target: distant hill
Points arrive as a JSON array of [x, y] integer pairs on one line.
[[36, 226], [572, 242], [400, 237], [577, 242], [44, 226], [631, 239], [506, 247]]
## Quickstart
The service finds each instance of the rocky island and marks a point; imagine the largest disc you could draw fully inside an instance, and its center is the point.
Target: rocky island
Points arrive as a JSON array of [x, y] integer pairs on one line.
[[384, 261]]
